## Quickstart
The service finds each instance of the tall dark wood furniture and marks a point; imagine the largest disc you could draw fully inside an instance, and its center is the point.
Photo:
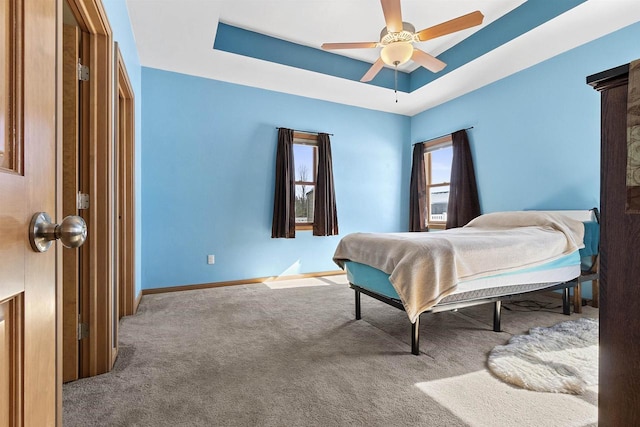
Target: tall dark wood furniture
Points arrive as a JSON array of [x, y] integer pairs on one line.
[[619, 389]]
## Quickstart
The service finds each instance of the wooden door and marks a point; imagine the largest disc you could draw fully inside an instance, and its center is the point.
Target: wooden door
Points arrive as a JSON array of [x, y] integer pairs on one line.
[[28, 73], [70, 259]]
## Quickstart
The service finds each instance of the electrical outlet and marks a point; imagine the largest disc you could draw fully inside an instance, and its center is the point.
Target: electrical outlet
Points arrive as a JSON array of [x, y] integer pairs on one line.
[[211, 259]]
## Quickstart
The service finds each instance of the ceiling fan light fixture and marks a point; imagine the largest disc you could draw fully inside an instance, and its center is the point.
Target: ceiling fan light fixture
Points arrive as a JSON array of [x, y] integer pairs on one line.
[[397, 38], [397, 53], [406, 35]]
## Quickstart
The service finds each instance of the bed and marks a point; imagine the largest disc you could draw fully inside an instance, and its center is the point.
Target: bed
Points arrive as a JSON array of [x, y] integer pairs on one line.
[[493, 258]]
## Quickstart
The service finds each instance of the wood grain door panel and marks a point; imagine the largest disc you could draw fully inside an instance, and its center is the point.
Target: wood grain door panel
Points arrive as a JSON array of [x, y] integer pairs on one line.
[[11, 375], [28, 381]]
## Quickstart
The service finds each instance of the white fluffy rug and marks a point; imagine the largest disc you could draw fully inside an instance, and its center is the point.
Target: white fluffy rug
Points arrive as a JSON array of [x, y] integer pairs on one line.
[[559, 359]]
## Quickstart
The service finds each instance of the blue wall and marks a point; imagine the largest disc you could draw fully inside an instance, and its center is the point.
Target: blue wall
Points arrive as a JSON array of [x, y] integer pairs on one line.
[[209, 153], [208, 171], [121, 26], [536, 135]]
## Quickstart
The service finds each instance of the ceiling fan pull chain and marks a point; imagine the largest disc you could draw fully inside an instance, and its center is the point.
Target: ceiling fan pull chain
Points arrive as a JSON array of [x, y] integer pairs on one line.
[[396, 82]]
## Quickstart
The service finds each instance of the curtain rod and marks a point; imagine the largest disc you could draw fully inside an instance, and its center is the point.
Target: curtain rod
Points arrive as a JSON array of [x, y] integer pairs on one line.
[[305, 131], [431, 139]]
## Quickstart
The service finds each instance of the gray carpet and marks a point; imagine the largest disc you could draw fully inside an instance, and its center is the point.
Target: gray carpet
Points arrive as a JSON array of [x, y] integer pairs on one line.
[[293, 355]]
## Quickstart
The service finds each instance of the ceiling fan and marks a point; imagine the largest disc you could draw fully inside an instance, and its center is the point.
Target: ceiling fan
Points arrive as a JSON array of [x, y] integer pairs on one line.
[[397, 38]]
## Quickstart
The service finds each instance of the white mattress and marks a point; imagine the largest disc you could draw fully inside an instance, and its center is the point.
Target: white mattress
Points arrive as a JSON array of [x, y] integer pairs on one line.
[[527, 280], [501, 285], [533, 279], [555, 275]]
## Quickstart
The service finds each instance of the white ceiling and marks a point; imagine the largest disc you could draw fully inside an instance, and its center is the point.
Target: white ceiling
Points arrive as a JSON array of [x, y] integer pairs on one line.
[[178, 35], [313, 22]]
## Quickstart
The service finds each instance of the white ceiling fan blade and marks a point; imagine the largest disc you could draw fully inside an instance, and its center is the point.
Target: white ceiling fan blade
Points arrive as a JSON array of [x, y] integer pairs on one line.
[[429, 62], [392, 15], [373, 71], [355, 45]]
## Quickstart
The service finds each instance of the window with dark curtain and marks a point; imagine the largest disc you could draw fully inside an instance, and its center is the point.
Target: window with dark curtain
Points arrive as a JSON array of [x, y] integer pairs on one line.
[[464, 204], [418, 192], [325, 222], [284, 218], [305, 159]]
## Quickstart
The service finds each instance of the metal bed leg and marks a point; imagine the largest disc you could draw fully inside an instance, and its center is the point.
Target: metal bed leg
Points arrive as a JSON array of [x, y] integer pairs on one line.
[[358, 315], [415, 337], [566, 307], [496, 316]]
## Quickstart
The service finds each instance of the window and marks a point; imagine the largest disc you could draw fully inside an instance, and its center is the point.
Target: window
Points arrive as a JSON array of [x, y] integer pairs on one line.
[[304, 196], [305, 160], [437, 163]]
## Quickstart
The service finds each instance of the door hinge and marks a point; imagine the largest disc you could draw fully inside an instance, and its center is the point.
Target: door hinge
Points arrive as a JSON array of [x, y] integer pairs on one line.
[[83, 331], [83, 201], [83, 72]]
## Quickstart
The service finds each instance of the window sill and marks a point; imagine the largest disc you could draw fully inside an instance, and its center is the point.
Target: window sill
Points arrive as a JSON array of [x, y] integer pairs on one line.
[[304, 227], [438, 226]]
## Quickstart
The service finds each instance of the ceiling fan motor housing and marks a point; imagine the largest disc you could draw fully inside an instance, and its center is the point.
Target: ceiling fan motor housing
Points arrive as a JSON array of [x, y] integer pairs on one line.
[[406, 35]]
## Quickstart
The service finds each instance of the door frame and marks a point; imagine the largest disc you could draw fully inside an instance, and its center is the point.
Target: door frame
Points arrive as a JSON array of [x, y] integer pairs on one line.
[[68, 177], [107, 264], [124, 119], [97, 180]]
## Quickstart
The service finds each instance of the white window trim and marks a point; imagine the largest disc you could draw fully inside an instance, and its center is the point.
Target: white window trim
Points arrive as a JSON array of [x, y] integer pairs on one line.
[[429, 147], [302, 138]]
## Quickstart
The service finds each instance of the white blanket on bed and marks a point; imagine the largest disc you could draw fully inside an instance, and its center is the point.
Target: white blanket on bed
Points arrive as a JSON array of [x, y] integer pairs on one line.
[[425, 267]]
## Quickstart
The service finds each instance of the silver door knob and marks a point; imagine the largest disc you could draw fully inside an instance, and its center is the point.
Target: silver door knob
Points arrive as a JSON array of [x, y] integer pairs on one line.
[[72, 232]]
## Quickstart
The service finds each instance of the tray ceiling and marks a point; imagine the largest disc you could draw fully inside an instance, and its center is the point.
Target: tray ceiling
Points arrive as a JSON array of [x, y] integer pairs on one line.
[[179, 35]]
